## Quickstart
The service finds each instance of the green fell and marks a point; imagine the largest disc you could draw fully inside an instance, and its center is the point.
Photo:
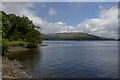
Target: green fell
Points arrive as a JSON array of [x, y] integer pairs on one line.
[[72, 36]]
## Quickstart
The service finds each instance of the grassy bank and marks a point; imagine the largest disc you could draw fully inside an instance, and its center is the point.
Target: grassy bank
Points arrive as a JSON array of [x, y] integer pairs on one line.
[[17, 43]]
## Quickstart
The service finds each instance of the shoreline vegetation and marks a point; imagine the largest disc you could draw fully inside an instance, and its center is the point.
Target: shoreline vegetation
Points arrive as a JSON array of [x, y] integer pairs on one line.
[[18, 33], [21, 48]]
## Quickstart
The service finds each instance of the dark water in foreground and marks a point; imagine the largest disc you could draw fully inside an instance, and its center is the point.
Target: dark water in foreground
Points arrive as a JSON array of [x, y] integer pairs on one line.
[[71, 59]]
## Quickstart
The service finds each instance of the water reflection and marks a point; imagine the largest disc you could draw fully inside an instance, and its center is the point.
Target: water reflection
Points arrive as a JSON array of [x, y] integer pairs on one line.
[[71, 59], [28, 57]]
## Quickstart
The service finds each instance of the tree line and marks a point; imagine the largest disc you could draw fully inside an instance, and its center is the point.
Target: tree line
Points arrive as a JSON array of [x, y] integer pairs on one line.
[[17, 28]]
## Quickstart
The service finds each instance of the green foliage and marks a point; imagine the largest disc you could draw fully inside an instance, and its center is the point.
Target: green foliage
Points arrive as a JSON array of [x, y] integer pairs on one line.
[[33, 37], [15, 36], [5, 46], [16, 28], [11, 43], [0, 33]]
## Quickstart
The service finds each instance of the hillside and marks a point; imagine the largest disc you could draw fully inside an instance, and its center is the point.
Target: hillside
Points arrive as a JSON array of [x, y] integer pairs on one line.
[[72, 36]]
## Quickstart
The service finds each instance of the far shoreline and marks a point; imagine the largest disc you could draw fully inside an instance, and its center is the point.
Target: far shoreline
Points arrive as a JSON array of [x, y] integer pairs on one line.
[[80, 40]]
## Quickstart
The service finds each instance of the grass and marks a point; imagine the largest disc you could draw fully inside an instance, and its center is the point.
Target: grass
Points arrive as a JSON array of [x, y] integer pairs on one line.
[[16, 42]]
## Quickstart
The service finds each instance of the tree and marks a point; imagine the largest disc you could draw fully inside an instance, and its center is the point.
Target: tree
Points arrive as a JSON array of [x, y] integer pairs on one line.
[[15, 36], [5, 25], [16, 28], [33, 37]]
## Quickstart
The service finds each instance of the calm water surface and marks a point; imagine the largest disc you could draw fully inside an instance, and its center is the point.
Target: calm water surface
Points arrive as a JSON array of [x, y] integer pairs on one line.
[[71, 59]]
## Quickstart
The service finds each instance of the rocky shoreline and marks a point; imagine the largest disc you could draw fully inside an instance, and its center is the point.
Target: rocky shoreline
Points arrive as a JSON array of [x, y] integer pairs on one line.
[[12, 69]]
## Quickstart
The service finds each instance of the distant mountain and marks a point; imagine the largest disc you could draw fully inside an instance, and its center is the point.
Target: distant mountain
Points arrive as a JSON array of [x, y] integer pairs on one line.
[[72, 36]]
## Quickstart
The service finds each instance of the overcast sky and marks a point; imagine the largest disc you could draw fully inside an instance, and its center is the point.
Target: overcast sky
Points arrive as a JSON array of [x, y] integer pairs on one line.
[[90, 17]]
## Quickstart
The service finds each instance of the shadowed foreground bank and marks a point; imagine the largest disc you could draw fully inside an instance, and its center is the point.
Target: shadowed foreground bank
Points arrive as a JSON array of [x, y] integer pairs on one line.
[[12, 69]]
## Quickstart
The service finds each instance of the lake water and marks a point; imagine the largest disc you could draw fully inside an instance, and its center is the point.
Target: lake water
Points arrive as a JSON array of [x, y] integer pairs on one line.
[[71, 59]]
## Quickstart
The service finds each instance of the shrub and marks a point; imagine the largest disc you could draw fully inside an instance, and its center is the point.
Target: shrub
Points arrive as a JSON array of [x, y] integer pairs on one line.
[[5, 46]]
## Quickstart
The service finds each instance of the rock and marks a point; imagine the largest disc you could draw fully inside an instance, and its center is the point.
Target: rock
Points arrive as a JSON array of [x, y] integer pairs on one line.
[[13, 69]]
